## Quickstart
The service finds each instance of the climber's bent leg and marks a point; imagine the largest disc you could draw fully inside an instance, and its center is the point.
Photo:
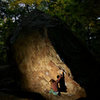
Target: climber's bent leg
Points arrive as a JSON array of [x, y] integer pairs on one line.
[[53, 92]]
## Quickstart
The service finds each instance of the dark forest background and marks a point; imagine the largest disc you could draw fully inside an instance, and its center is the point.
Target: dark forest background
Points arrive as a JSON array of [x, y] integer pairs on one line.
[[74, 33], [82, 17]]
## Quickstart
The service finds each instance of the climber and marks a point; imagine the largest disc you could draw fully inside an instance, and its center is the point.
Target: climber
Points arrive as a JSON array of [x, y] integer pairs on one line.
[[54, 85]]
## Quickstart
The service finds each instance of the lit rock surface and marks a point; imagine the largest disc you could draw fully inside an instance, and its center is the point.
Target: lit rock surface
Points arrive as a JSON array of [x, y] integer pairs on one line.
[[38, 63]]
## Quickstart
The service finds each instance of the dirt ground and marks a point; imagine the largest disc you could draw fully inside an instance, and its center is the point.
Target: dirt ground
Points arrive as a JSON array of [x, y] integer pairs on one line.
[[4, 96]]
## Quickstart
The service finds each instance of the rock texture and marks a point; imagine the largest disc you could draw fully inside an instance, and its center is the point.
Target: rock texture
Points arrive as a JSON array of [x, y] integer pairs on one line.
[[38, 62]]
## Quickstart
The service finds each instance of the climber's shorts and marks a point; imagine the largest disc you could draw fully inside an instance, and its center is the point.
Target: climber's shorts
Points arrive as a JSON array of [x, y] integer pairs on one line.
[[53, 92]]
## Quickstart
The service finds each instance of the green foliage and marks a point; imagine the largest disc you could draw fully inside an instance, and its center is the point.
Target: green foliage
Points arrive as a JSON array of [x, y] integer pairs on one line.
[[27, 2], [6, 27], [79, 15]]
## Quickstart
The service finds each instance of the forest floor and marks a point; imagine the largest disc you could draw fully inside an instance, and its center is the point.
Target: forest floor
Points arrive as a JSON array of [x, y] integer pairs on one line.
[[8, 88], [5, 96]]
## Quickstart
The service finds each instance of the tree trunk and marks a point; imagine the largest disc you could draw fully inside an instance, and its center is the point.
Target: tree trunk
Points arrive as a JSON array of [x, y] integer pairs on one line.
[[38, 62]]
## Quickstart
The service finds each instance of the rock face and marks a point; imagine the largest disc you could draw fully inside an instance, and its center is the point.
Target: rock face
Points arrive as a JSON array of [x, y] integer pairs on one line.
[[38, 62]]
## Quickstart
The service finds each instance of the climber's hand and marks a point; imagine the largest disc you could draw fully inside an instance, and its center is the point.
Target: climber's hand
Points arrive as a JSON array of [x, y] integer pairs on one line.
[[62, 72]]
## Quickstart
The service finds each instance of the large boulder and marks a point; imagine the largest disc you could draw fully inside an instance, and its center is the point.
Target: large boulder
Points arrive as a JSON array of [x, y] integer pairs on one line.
[[38, 62]]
